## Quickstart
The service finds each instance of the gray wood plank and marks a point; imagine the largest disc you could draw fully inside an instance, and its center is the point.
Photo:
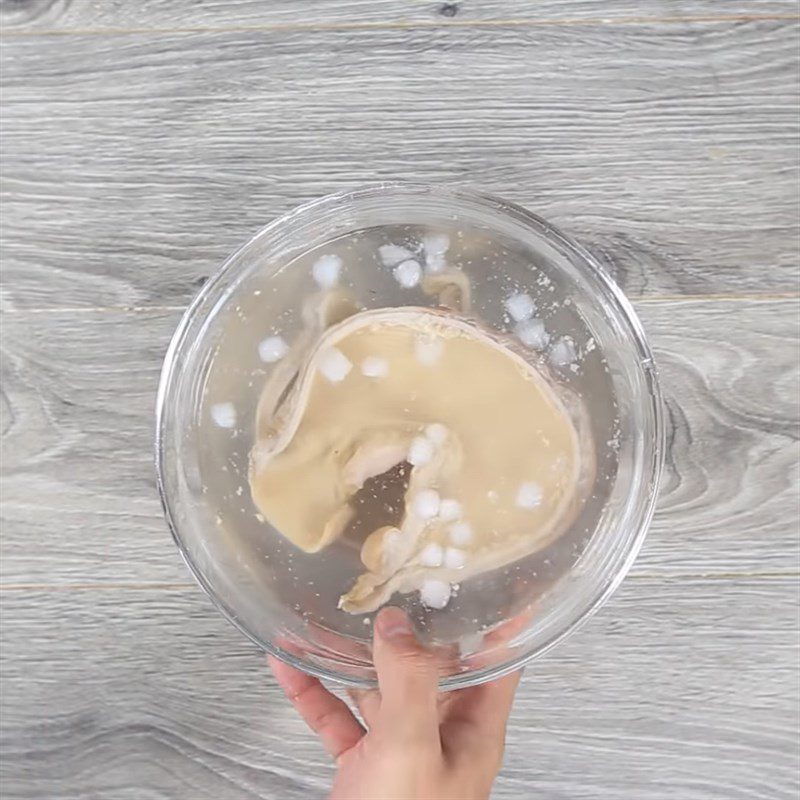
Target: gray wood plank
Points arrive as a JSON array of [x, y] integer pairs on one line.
[[117, 15], [133, 165], [685, 688], [79, 498]]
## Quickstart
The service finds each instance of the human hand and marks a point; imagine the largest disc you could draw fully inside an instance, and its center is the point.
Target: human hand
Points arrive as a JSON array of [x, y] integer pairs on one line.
[[418, 744]]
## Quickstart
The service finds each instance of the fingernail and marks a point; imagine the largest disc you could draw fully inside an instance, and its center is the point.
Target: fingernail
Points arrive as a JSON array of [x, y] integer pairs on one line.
[[393, 622]]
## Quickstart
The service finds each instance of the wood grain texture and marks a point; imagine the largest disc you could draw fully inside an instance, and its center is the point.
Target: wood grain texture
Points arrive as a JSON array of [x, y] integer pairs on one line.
[[78, 479], [155, 696], [117, 15], [142, 142], [133, 165]]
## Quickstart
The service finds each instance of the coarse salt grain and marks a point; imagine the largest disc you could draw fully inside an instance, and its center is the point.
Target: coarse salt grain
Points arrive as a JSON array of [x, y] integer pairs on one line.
[[421, 451], [435, 594], [272, 349], [435, 246], [532, 333], [224, 415], [562, 352], [408, 273], [520, 307], [374, 367], [393, 254], [454, 558], [431, 555], [449, 510], [460, 533], [326, 271], [435, 262], [529, 495], [335, 365], [436, 243], [428, 350], [436, 432], [426, 504]]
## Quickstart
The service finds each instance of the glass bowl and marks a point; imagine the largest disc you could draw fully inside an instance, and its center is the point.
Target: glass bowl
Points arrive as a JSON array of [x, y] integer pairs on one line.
[[284, 599]]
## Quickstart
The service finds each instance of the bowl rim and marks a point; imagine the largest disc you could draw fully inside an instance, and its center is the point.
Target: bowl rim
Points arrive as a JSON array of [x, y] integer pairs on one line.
[[628, 316]]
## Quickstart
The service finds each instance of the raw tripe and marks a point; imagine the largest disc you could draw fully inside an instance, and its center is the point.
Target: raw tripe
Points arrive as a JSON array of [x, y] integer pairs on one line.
[[495, 460]]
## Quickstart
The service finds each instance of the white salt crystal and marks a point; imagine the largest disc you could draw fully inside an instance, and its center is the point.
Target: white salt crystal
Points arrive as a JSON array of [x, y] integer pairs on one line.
[[449, 510], [435, 246], [421, 451], [435, 262], [454, 558], [562, 352], [529, 495], [392, 254], [273, 349], [374, 367], [428, 350], [408, 274], [431, 555], [520, 307], [426, 504], [224, 415], [436, 243], [531, 333], [335, 365], [436, 432], [326, 271], [435, 594], [461, 533]]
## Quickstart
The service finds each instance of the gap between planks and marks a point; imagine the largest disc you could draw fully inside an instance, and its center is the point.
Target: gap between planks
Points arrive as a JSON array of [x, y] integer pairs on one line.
[[650, 299], [438, 24]]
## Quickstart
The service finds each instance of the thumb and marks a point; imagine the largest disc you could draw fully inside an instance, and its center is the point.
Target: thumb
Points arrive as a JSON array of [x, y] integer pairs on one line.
[[407, 677]]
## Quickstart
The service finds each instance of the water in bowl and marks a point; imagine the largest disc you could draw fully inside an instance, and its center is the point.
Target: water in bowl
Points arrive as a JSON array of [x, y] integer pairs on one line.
[[303, 589]]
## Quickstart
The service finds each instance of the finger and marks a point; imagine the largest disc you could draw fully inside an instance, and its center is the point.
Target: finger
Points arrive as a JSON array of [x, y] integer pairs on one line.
[[326, 715], [368, 703], [479, 714], [504, 633], [494, 647], [407, 677], [491, 705]]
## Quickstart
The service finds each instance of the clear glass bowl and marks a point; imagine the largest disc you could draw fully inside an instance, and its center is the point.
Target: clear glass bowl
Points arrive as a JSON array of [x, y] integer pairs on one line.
[[284, 600]]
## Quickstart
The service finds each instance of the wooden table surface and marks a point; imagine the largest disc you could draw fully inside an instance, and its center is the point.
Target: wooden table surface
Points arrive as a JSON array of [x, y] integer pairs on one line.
[[141, 142]]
